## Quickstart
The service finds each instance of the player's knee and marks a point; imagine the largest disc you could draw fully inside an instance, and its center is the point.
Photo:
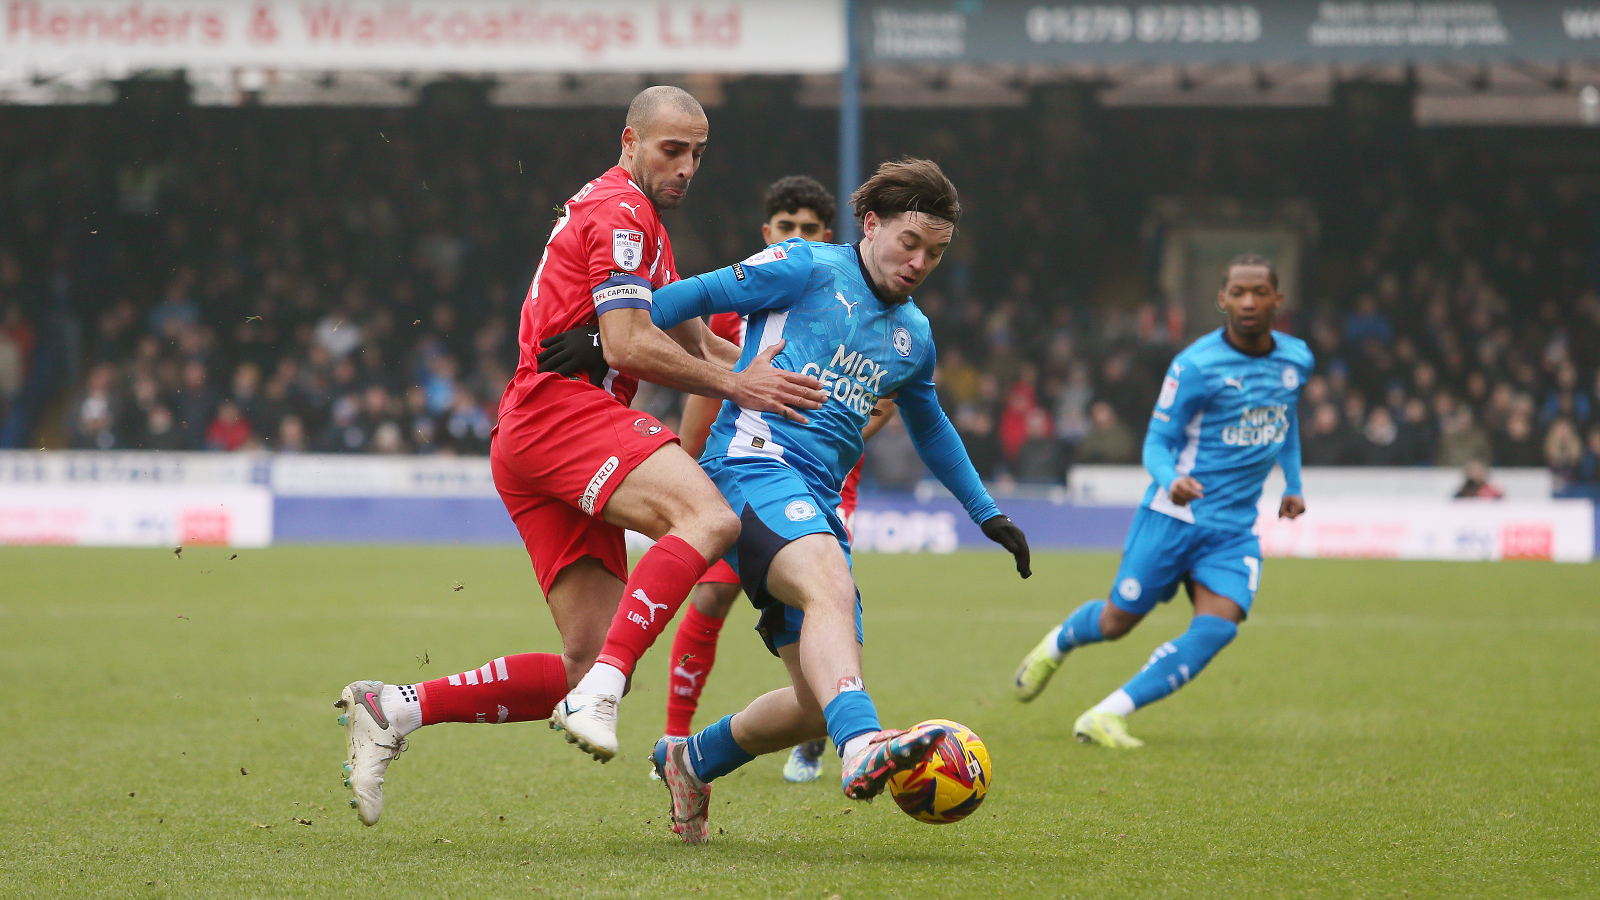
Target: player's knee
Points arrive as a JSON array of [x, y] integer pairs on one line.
[[1114, 622], [719, 526]]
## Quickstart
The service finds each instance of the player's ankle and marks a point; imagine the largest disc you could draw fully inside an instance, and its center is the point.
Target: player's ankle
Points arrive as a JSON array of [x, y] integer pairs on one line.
[[604, 679]]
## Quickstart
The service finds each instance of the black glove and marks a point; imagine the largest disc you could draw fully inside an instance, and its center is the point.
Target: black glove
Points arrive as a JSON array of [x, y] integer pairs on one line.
[[575, 352], [1005, 532]]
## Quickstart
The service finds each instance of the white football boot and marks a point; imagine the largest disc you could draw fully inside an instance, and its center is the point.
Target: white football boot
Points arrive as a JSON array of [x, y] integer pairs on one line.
[[373, 742], [590, 721]]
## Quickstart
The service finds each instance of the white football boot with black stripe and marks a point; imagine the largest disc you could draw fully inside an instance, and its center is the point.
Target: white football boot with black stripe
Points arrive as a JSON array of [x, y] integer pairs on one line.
[[373, 742]]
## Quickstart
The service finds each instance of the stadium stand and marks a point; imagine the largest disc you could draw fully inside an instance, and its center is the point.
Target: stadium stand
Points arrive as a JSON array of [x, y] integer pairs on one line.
[[346, 280]]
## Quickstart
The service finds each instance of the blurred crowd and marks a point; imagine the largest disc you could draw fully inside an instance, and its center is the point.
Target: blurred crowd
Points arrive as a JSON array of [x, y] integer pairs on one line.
[[349, 280]]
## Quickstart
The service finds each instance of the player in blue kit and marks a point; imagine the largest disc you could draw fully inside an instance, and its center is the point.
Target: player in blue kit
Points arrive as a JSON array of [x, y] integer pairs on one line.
[[1225, 416], [844, 315]]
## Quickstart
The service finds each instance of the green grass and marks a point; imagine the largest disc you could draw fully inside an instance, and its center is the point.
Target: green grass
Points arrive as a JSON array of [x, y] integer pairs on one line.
[[1378, 730]]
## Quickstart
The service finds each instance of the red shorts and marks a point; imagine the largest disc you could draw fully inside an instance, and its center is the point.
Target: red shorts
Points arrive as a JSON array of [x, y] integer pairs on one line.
[[722, 573], [557, 455], [847, 498]]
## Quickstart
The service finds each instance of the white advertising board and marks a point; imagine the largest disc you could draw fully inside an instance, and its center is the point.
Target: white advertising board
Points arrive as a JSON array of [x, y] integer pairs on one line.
[[136, 515], [1559, 530], [425, 35]]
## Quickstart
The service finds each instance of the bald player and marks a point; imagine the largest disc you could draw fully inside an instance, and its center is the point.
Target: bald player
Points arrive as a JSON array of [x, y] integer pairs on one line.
[[575, 466]]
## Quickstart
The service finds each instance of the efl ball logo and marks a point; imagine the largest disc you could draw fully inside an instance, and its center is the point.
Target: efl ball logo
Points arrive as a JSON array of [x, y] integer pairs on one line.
[[799, 511], [1130, 589]]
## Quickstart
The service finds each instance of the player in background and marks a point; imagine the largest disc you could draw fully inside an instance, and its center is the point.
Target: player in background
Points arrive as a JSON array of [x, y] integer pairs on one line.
[[575, 466], [844, 313], [1225, 416], [796, 206]]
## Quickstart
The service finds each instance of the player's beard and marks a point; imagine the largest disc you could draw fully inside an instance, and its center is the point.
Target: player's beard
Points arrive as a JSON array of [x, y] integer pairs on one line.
[[657, 192]]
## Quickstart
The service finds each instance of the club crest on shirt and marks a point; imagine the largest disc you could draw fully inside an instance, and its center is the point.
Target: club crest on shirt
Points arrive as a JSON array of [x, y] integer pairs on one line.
[[902, 342], [627, 248], [1291, 378]]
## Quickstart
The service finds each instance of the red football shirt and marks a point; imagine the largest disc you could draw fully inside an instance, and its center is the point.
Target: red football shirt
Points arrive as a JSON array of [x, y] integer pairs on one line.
[[608, 250], [729, 326]]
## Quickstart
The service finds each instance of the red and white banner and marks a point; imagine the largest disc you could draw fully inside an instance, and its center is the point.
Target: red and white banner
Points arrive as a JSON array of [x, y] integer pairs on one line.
[[136, 515], [1559, 530], [425, 35]]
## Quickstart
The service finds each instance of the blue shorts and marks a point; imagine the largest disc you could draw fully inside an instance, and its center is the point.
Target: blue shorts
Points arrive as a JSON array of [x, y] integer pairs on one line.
[[1162, 552], [776, 507]]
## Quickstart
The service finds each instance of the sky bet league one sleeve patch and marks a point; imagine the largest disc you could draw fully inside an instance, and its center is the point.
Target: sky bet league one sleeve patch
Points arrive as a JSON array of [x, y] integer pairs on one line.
[[627, 248], [771, 254]]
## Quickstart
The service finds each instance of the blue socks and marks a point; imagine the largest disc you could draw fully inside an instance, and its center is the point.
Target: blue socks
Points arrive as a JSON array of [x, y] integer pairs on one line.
[[850, 715], [1177, 662], [714, 753], [1082, 627]]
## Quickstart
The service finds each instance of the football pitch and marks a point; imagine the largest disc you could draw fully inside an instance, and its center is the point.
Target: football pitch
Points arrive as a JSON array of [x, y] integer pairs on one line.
[[1379, 729]]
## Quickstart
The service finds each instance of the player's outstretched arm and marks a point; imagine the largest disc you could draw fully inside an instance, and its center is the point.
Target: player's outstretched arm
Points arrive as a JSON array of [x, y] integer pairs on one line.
[[941, 450], [634, 345]]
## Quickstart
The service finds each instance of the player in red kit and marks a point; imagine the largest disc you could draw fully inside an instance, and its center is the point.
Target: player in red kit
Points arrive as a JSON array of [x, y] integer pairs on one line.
[[576, 467]]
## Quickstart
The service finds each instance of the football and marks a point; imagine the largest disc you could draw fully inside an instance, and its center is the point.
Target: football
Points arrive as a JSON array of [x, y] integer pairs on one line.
[[950, 783]]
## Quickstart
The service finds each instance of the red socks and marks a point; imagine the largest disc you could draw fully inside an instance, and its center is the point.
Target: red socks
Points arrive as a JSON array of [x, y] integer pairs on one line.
[[521, 688], [694, 651], [659, 583]]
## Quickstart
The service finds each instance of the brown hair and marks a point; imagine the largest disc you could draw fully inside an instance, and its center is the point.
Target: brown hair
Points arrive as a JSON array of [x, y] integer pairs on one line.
[[1251, 259], [907, 185]]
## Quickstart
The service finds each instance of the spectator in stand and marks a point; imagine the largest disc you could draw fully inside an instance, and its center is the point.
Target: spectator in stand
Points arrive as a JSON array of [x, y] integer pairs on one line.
[[1323, 442], [247, 396], [1588, 473], [160, 430], [194, 405], [1461, 441], [1039, 460], [343, 433], [1367, 323], [1021, 412], [1563, 452], [96, 412], [466, 428], [892, 459], [176, 311], [977, 430], [12, 369], [1418, 440], [1108, 440], [1515, 445], [1072, 408], [1565, 399], [291, 435], [230, 430], [1380, 445], [1475, 484]]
